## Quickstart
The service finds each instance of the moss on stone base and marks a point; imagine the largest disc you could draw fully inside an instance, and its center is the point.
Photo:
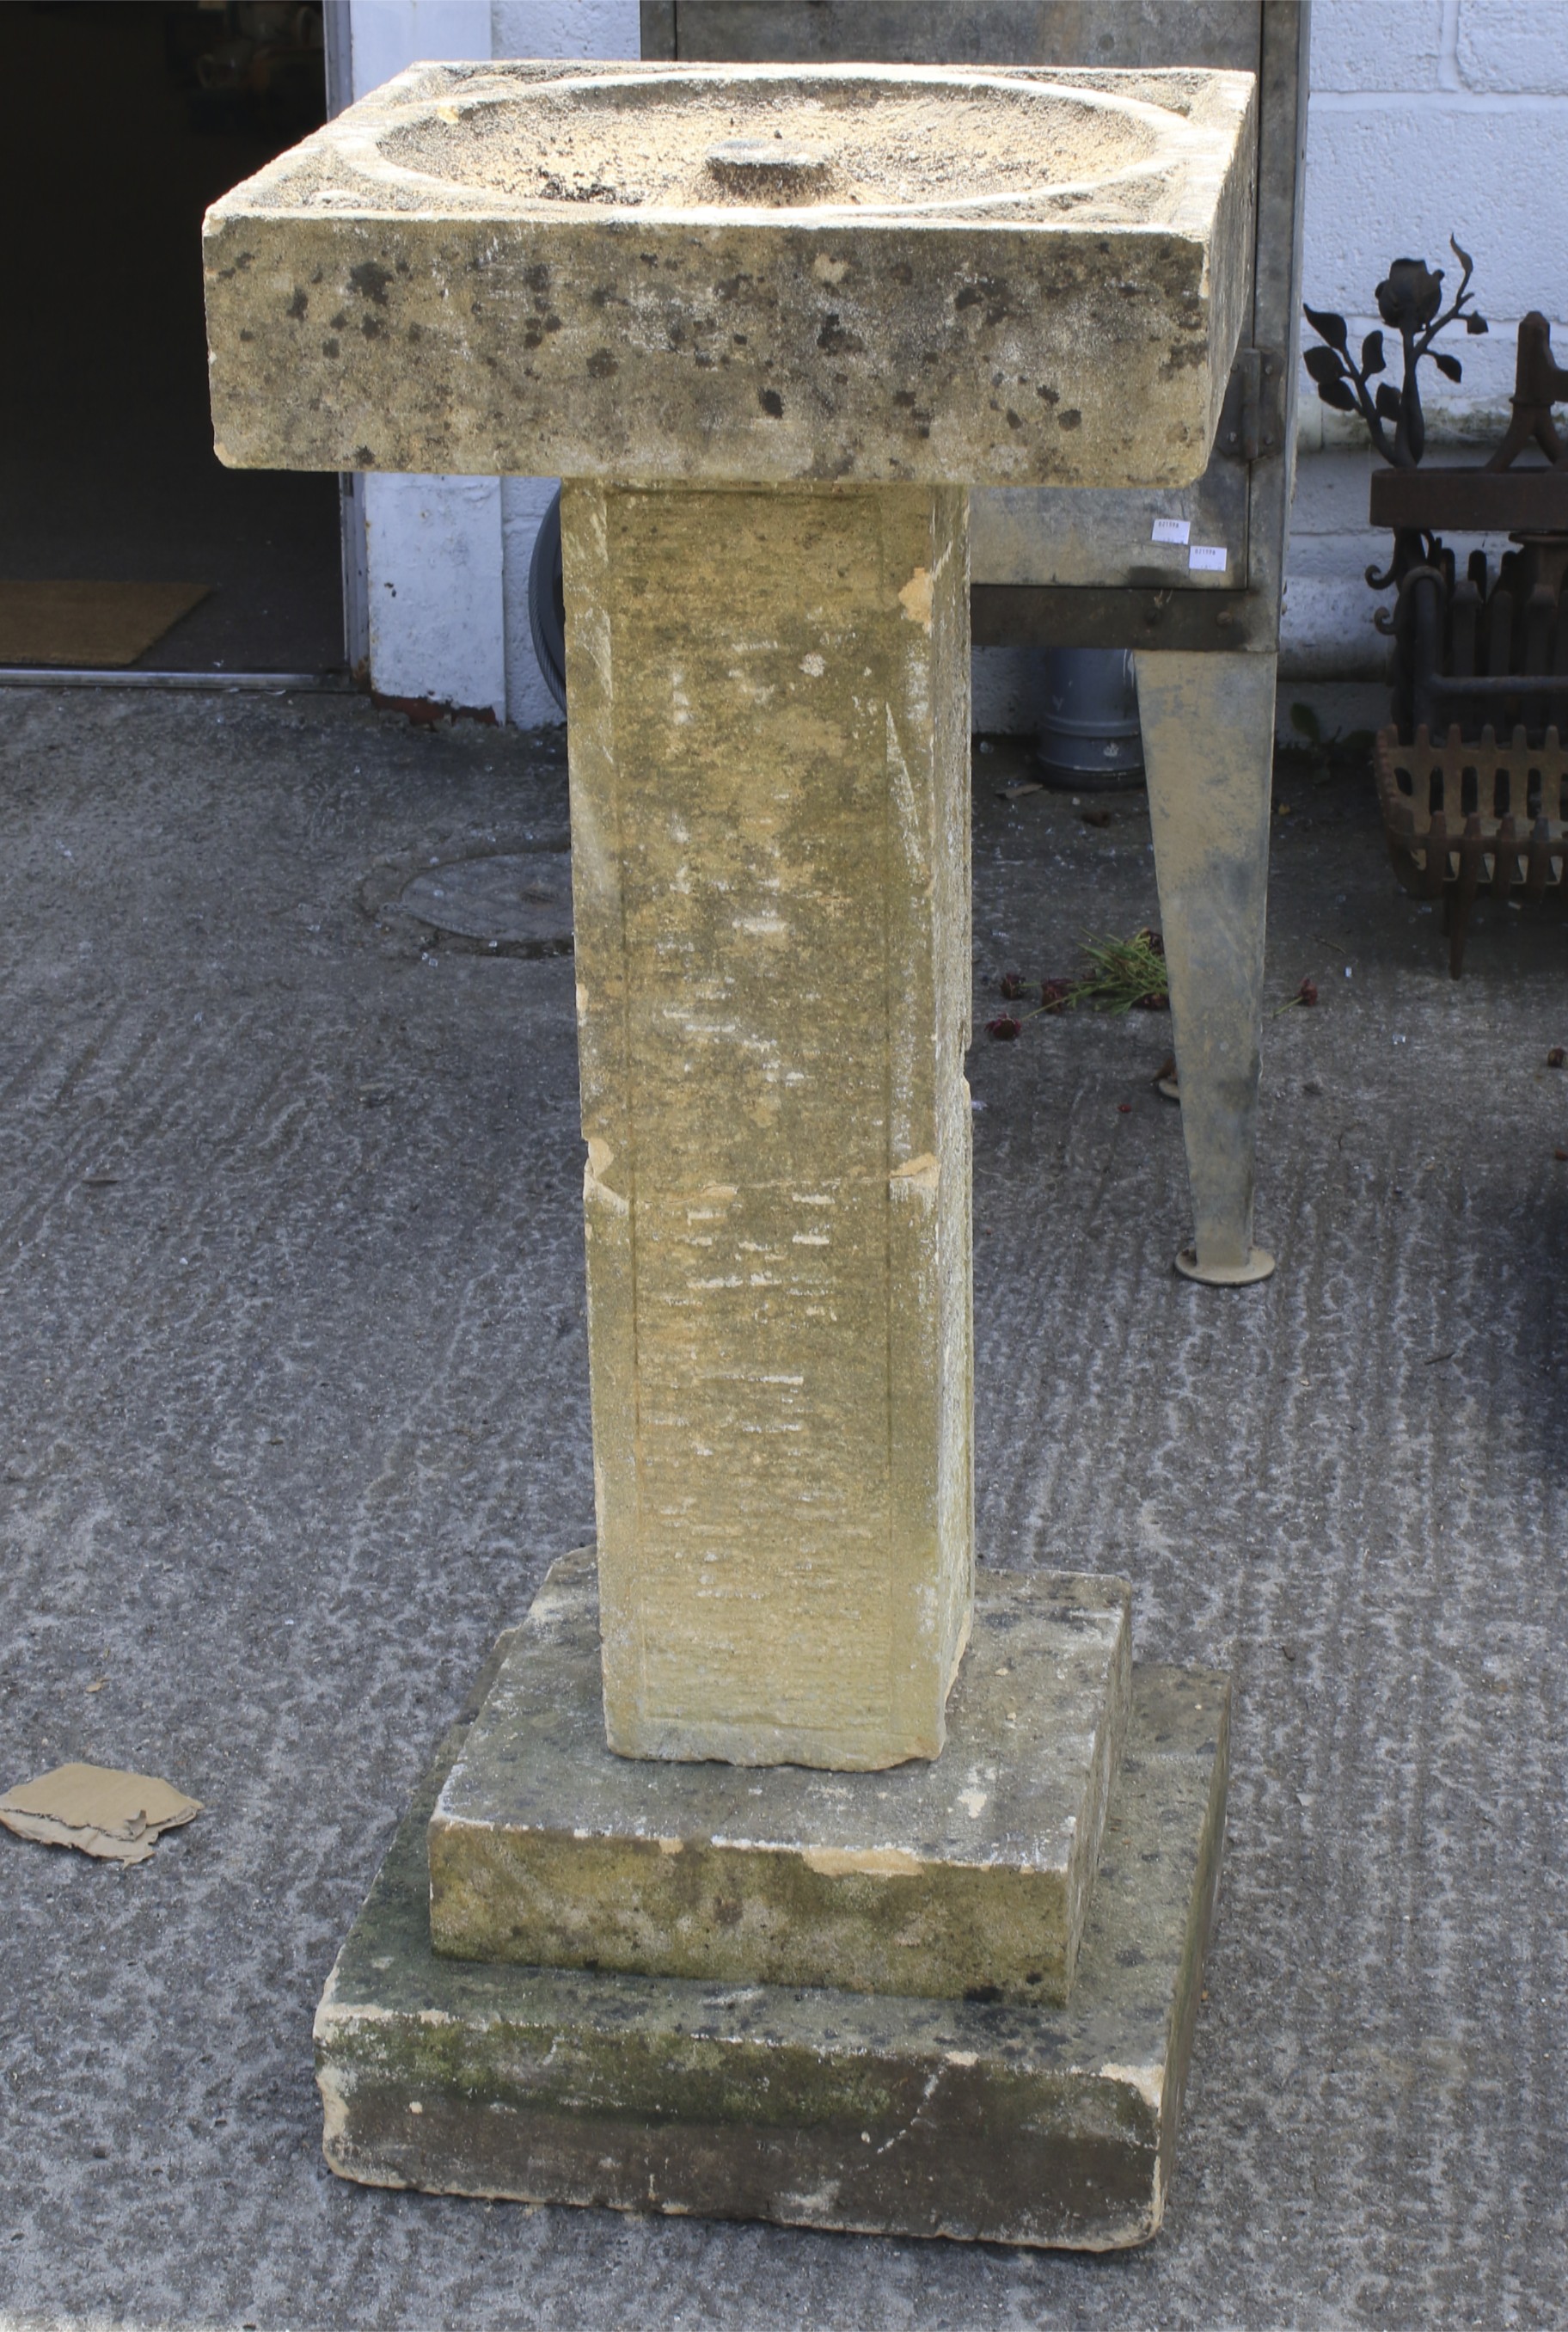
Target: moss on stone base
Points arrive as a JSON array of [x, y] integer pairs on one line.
[[966, 2119]]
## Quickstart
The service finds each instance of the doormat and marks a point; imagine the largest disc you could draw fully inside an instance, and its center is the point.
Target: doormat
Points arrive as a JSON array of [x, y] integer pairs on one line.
[[83, 624]]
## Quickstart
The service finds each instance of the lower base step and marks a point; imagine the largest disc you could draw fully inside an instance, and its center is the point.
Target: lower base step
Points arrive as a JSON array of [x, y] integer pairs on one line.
[[982, 2121]]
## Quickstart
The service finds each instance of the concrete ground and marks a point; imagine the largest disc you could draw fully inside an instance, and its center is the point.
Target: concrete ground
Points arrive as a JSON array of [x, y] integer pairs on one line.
[[295, 1412]]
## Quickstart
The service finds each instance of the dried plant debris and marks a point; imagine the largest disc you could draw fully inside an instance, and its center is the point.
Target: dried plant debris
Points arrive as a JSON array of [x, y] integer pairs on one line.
[[1122, 975], [118, 1817], [1126, 975], [1306, 994]]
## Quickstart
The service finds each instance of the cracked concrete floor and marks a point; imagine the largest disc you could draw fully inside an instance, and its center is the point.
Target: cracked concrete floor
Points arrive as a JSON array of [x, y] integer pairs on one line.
[[295, 1412]]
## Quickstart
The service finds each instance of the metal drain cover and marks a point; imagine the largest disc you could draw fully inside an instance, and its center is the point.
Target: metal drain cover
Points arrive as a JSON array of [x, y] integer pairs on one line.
[[514, 905]]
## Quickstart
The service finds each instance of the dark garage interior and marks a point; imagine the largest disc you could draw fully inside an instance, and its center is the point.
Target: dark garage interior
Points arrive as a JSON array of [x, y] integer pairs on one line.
[[122, 120]]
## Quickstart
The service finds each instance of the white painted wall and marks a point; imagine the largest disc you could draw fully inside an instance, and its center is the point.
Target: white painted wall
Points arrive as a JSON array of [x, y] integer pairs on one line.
[[566, 28], [388, 34], [1432, 118], [435, 588]]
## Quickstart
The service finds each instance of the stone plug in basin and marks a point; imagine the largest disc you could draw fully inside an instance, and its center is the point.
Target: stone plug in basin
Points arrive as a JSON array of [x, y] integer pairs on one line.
[[769, 325]]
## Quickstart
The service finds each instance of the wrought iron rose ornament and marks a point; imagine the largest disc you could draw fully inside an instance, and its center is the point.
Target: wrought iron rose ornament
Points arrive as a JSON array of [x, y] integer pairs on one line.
[[1410, 302]]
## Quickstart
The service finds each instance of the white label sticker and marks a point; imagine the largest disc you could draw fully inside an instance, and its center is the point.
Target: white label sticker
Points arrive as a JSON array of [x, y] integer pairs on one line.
[[1209, 558], [1171, 530]]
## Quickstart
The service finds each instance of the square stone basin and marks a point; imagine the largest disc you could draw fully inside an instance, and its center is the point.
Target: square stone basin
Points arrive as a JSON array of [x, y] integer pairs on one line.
[[764, 273]]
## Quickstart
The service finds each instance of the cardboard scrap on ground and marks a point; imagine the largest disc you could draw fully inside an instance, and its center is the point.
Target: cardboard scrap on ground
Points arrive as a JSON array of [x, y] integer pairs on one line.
[[119, 1817]]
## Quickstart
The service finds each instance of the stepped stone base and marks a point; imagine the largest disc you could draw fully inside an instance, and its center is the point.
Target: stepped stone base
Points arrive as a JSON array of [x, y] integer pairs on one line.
[[982, 2121], [936, 1878]]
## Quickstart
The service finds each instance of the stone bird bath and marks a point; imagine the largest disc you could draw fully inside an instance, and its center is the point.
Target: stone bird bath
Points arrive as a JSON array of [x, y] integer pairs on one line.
[[769, 324]]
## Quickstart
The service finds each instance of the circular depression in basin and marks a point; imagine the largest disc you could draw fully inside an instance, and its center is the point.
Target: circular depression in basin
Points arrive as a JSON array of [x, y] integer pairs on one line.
[[923, 140]]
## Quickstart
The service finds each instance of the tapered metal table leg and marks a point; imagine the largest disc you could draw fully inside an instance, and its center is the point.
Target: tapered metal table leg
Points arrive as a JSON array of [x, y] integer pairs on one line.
[[1208, 724]]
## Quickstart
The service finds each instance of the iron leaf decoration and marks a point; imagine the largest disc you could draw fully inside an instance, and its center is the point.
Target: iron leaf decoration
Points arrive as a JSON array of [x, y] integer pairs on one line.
[[1410, 299], [1410, 302]]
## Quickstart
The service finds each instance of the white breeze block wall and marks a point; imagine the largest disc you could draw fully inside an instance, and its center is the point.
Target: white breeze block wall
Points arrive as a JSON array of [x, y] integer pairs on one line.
[[1428, 118], [1432, 118]]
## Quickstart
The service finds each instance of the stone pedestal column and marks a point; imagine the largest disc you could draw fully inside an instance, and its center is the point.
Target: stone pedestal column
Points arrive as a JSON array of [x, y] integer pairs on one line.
[[770, 798], [783, 316]]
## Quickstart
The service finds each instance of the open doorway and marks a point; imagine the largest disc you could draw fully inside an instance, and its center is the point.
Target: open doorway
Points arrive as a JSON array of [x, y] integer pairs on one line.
[[122, 119]]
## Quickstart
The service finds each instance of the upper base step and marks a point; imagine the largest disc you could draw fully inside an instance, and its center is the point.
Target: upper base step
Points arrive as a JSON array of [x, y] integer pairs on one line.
[[970, 1871]]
